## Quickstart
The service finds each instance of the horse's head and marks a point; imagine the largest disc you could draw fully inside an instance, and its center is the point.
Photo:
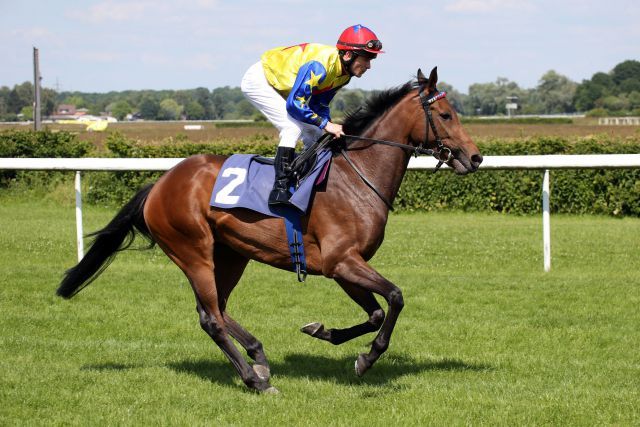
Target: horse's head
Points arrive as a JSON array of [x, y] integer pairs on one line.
[[441, 129]]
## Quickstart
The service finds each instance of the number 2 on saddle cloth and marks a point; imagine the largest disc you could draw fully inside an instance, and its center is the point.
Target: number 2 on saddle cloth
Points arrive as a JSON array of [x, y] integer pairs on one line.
[[246, 180]]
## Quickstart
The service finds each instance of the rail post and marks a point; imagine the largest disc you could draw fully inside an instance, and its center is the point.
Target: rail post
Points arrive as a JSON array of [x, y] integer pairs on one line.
[[79, 232], [546, 222]]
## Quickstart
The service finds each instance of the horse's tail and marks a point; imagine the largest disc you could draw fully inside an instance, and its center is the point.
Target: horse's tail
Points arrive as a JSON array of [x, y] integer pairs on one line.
[[116, 236]]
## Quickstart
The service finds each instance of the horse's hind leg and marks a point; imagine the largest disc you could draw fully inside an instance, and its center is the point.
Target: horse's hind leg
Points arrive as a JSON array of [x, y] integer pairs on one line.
[[364, 299], [251, 345], [226, 279], [192, 251], [212, 322]]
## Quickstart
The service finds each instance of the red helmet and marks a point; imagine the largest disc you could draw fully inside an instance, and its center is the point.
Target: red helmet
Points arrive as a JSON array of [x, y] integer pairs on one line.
[[359, 37]]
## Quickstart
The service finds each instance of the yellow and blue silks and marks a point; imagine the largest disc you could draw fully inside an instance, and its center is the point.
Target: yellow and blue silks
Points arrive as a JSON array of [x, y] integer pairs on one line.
[[308, 76]]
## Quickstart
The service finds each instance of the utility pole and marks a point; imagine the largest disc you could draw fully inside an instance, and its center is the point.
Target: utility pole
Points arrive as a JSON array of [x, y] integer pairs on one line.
[[37, 120]]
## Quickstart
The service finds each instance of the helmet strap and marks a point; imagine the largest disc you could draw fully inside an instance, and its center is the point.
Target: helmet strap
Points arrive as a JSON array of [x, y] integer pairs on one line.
[[347, 63]]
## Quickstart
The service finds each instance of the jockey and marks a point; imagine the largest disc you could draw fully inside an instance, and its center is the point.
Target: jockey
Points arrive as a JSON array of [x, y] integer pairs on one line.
[[293, 86]]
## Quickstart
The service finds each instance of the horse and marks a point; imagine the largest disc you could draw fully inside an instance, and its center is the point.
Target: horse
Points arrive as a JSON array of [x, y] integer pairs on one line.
[[342, 231]]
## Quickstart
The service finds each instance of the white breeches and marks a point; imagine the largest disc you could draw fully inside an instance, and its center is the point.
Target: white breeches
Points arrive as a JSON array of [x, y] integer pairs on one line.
[[266, 99]]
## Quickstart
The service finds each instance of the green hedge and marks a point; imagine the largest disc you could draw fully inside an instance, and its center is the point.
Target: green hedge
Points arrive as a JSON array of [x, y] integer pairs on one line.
[[610, 192], [600, 191], [26, 143], [117, 187]]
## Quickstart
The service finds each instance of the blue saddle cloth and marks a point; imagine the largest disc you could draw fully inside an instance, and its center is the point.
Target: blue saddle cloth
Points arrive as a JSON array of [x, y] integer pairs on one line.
[[243, 182]]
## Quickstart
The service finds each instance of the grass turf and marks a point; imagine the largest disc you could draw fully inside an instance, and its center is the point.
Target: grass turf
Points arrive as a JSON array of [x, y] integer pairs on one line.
[[486, 337]]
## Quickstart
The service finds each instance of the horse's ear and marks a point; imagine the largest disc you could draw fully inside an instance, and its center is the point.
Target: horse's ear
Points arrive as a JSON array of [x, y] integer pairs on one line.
[[422, 80], [433, 79]]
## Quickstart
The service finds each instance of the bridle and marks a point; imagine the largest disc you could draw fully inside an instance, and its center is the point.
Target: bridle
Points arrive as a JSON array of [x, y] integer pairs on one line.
[[442, 153]]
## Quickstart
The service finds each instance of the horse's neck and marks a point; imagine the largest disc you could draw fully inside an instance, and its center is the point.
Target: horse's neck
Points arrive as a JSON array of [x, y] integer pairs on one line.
[[384, 165]]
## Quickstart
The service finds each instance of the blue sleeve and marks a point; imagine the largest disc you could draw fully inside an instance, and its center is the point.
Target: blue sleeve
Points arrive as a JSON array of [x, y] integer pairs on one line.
[[310, 75]]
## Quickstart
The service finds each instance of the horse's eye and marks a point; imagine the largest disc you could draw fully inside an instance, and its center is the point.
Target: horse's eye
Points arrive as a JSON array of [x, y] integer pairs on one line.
[[445, 116]]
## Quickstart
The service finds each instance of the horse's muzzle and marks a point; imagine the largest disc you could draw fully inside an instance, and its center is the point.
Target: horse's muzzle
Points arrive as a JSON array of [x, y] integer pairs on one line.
[[463, 164]]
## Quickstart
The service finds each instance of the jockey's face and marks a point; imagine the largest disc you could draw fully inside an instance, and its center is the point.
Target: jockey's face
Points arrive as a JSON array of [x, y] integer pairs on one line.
[[360, 64]]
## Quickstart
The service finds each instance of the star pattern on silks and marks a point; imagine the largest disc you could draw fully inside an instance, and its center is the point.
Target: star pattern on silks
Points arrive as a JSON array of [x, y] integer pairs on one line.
[[314, 80], [301, 100]]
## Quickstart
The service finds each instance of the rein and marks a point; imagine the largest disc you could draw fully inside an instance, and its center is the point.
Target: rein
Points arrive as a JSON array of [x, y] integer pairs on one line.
[[441, 153]]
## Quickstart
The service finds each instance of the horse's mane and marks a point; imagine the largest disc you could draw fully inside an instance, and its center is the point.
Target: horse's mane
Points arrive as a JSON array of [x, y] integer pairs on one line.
[[356, 122]]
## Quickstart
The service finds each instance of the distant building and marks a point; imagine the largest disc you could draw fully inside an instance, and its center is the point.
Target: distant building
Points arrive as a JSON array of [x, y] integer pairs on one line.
[[66, 110]]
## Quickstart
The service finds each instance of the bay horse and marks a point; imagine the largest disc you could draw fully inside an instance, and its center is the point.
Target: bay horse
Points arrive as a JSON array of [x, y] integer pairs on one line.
[[342, 231]]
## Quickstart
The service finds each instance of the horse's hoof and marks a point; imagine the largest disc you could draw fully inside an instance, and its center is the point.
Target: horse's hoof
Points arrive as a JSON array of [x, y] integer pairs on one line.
[[312, 328], [361, 365], [262, 372], [271, 390]]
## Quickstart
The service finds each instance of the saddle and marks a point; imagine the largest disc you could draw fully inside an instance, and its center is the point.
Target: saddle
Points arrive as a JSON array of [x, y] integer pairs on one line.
[[245, 181], [305, 161]]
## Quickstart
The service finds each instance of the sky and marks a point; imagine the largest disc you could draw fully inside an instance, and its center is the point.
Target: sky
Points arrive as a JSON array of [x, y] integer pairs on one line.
[[115, 45]]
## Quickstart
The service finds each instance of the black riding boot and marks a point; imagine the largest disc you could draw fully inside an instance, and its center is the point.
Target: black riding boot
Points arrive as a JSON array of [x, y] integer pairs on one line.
[[280, 193]]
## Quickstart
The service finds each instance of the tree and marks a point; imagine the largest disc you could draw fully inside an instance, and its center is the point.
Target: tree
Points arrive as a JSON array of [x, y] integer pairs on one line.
[[244, 110], [169, 110], [27, 113], [224, 100], [203, 97], [76, 100], [20, 96], [14, 103], [612, 90], [4, 100], [194, 111], [491, 98], [48, 101], [589, 91], [182, 97], [121, 109], [149, 108], [613, 103], [555, 93], [627, 70]]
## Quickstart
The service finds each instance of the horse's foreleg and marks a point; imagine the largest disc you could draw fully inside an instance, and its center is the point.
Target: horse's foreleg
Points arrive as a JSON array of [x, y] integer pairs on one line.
[[364, 299], [353, 269]]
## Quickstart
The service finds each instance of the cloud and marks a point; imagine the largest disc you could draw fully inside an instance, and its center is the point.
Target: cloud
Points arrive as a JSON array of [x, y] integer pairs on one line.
[[151, 58], [203, 61], [110, 11], [31, 33], [100, 56], [489, 5], [206, 4]]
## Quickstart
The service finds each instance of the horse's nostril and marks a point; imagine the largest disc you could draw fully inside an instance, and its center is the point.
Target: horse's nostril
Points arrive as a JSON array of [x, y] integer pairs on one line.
[[476, 159]]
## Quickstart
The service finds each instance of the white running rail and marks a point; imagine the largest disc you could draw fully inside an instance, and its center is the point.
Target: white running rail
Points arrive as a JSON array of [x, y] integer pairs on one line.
[[544, 163]]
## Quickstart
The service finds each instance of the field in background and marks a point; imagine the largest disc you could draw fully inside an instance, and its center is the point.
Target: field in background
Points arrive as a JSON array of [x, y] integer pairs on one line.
[[485, 337], [158, 131]]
